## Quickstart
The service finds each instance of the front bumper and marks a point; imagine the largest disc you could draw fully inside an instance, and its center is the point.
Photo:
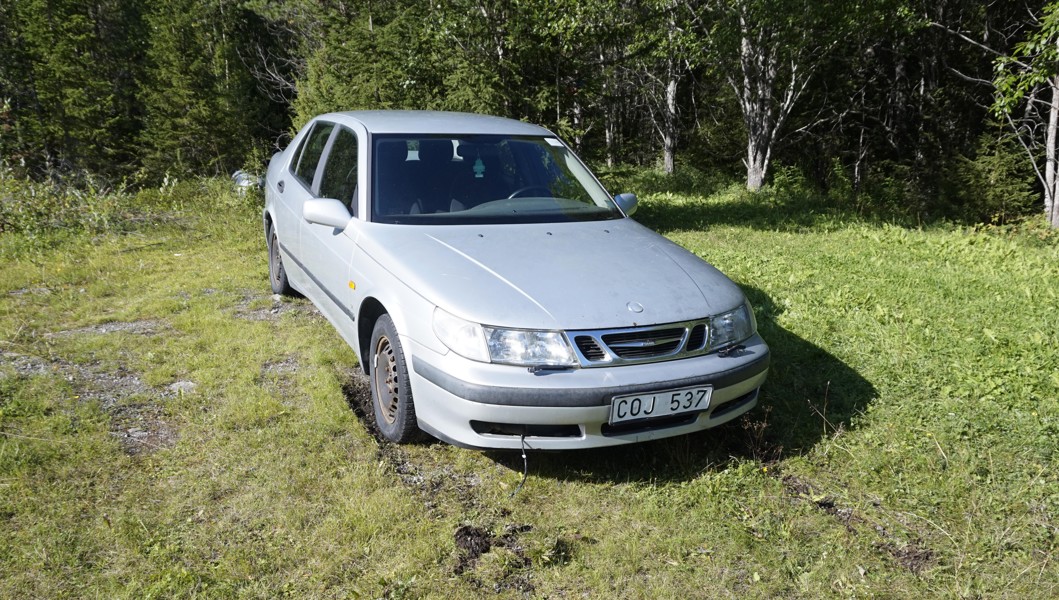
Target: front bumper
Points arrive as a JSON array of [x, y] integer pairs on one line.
[[480, 405]]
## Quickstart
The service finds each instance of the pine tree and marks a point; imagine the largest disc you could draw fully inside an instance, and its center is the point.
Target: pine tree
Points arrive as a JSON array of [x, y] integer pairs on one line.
[[67, 85], [204, 109]]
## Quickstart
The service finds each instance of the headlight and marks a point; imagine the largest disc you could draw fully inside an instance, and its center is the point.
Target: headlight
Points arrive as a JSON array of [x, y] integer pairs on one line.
[[732, 327], [528, 347], [462, 337], [520, 347]]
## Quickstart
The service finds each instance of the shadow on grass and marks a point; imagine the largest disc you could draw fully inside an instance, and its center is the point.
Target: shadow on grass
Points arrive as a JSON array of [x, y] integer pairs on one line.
[[763, 211], [696, 200], [809, 395]]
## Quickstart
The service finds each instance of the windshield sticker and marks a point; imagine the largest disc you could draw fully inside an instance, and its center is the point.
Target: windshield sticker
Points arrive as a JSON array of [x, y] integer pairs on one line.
[[554, 142]]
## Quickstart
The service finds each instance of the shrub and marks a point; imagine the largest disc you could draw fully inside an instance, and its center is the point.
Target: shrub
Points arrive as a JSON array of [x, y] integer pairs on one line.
[[37, 209], [996, 185]]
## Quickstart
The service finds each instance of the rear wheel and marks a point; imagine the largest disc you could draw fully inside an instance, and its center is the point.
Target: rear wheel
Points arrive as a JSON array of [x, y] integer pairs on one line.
[[391, 395], [277, 275]]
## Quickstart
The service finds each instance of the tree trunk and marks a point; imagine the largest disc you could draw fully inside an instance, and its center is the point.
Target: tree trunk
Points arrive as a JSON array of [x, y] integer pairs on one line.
[[755, 96], [756, 168], [669, 136], [610, 119], [1051, 207], [611, 127], [768, 83]]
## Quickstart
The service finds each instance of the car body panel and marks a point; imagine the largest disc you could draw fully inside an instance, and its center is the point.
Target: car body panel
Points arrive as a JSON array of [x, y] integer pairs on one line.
[[449, 416], [608, 263]]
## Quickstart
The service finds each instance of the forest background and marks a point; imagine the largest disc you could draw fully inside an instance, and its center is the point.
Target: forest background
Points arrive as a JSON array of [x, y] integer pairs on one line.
[[934, 109]]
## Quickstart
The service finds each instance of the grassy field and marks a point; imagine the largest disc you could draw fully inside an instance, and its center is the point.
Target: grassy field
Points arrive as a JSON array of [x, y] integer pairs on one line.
[[169, 429]]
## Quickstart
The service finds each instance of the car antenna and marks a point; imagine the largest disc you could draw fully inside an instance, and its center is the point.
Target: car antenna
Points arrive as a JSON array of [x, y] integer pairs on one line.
[[525, 468]]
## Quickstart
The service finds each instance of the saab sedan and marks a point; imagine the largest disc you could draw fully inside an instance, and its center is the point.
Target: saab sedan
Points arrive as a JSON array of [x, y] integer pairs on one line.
[[495, 294]]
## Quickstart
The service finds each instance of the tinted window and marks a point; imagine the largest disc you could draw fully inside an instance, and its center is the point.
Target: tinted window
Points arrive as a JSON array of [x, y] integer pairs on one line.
[[459, 179], [310, 153], [339, 179]]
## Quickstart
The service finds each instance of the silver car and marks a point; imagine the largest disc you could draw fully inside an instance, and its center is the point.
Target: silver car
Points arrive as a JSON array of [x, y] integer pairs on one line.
[[496, 295]]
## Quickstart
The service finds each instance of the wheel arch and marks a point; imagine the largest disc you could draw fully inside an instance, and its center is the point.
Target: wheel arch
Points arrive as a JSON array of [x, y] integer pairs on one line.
[[267, 222], [370, 311]]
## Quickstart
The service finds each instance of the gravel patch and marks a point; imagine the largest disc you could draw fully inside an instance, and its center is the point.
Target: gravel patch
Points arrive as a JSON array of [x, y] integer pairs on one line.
[[147, 328], [137, 410], [279, 306]]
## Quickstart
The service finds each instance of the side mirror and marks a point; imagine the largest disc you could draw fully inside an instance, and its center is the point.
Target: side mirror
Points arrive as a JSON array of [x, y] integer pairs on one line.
[[627, 203], [326, 211]]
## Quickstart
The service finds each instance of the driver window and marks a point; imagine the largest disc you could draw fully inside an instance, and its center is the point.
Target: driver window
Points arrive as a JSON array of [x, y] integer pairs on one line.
[[339, 179]]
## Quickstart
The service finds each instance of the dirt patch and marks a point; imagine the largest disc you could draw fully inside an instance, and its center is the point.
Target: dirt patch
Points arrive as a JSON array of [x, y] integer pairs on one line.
[[805, 491], [24, 366], [474, 545], [471, 543], [432, 483], [278, 375], [279, 306], [279, 368], [914, 555], [33, 291], [136, 410], [496, 561], [358, 396], [146, 327], [141, 427]]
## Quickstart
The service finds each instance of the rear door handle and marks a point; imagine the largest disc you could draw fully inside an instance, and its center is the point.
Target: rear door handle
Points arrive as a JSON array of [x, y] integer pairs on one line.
[[279, 186]]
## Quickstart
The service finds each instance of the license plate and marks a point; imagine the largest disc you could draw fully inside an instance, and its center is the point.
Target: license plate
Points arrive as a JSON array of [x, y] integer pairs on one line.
[[651, 405]]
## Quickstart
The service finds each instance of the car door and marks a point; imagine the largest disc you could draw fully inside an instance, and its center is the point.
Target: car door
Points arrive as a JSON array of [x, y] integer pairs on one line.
[[296, 186], [329, 251]]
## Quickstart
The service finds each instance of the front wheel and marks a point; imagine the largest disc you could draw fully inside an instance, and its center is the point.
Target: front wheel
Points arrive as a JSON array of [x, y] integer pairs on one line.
[[391, 395]]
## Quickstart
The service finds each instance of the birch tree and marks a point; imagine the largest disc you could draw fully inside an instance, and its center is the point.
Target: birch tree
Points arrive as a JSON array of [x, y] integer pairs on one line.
[[1027, 97], [665, 52], [768, 51]]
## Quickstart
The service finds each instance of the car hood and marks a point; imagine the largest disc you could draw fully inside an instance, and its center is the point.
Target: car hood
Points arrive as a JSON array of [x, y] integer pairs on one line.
[[590, 275]]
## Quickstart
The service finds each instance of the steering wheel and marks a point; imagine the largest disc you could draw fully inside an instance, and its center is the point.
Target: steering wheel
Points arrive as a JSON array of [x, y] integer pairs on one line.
[[539, 188]]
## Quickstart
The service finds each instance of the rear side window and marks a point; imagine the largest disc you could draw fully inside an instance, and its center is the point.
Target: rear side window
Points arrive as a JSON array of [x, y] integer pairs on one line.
[[339, 179], [309, 154]]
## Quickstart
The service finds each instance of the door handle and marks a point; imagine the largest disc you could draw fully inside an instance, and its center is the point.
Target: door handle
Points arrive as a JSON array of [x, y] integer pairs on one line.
[[279, 186]]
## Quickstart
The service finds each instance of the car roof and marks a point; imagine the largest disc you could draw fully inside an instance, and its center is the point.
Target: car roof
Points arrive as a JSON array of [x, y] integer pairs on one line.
[[435, 122]]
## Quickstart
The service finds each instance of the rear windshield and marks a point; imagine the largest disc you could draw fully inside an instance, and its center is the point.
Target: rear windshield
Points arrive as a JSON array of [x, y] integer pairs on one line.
[[440, 180]]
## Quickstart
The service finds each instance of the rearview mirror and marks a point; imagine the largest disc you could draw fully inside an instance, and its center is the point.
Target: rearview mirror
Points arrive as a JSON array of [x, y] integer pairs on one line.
[[326, 211], [626, 202]]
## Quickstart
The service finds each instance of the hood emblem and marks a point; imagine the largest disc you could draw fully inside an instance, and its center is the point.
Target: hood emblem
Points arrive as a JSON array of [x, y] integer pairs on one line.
[[635, 307]]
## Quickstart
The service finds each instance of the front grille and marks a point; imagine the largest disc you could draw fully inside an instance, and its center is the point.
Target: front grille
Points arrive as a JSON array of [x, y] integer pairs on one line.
[[645, 344], [589, 348], [648, 425], [518, 430], [697, 339], [634, 345]]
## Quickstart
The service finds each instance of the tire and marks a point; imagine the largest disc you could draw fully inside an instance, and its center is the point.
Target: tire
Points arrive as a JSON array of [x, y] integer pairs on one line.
[[277, 274], [391, 395]]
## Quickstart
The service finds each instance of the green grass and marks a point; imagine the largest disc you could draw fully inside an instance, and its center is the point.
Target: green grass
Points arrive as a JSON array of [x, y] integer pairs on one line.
[[167, 429]]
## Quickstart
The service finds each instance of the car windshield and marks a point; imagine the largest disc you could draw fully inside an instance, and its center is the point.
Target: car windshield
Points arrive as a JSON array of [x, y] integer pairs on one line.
[[463, 179]]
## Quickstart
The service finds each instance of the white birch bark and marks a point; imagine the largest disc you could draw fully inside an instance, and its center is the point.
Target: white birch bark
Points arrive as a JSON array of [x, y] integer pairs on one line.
[[669, 135], [1051, 207], [764, 114]]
